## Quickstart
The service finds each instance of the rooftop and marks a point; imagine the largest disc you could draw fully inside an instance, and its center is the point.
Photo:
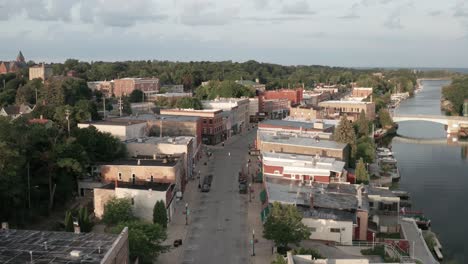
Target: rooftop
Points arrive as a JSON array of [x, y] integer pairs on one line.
[[344, 102], [293, 124], [192, 110], [301, 141], [329, 214], [116, 122], [144, 162], [303, 161], [154, 186], [152, 117], [161, 140], [16, 246], [331, 122]]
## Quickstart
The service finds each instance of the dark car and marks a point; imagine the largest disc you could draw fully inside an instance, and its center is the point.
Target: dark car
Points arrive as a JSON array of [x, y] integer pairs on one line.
[[243, 187], [205, 187]]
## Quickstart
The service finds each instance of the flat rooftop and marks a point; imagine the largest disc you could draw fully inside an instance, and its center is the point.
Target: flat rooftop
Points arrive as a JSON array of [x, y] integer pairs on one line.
[[16, 245], [301, 141], [152, 117], [191, 110], [303, 161], [331, 122], [329, 214], [155, 186], [115, 122], [344, 102], [181, 140], [143, 162], [293, 124]]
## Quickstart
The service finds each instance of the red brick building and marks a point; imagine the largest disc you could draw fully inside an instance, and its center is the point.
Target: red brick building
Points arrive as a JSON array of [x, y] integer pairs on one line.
[[295, 96], [361, 92], [13, 66], [126, 86]]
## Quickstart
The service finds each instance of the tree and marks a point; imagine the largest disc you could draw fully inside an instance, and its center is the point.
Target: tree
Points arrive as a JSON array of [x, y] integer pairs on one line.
[[362, 125], [117, 210], [83, 220], [145, 240], [68, 222], [344, 133], [189, 102], [160, 214], [365, 149], [385, 120], [279, 259], [362, 176], [136, 96], [284, 225]]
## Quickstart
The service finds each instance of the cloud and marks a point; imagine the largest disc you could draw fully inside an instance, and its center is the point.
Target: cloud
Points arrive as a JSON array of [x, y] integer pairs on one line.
[[352, 14], [320, 34], [198, 13], [460, 10], [435, 13], [42, 10], [298, 8]]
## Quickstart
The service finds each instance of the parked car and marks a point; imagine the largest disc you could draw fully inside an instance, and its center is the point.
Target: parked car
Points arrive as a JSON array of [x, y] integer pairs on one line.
[[205, 187], [243, 187]]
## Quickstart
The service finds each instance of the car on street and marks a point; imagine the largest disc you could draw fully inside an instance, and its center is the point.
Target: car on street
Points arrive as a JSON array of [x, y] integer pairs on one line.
[[243, 187], [205, 187]]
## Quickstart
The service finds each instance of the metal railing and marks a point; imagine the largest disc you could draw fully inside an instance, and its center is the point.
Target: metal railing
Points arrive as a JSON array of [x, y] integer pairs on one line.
[[396, 251]]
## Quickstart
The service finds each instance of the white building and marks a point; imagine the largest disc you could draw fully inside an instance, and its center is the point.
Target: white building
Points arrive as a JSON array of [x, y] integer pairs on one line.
[[142, 197], [149, 146], [120, 128], [238, 106], [330, 225]]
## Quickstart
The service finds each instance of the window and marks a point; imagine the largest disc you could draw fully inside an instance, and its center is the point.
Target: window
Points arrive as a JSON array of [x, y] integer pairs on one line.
[[120, 176], [133, 201], [133, 178], [313, 229], [152, 178], [211, 121], [334, 230], [276, 172], [371, 204]]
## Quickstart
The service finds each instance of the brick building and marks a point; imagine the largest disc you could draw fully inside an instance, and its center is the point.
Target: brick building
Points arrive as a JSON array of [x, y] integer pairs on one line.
[[106, 87], [267, 142], [239, 108], [294, 126], [362, 92], [13, 66], [305, 112], [335, 109], [42, 71], [212, 123], [295, 96], [126, 86]]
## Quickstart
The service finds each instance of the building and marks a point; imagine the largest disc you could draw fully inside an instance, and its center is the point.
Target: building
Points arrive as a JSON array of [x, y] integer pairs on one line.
[[296, 126], [169, 169], [126, 86], [13, 66], [143, 197], [331, 89], [172, 88], [362, 92], [239, 108], [302, 168], [302, 146], [294, 96], [307, 259], [27, 246], [306, 112], [105, 87], [274, 108], [15, 111], [142, 108], [312, 98], [154, 95], [256, 86], [42, 71], [179, 146], [212, 123], [123, 129], [335, 109]]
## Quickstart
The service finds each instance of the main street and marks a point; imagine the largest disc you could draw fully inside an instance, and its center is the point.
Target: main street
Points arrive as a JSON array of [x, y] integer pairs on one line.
[[217, 230]]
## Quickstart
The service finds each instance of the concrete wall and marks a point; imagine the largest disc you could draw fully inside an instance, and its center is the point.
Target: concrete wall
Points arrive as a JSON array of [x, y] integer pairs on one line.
[[322, 230], [143, 201], [307, 113], [119, 252], [101, 197], [306, 150], [122, 132]]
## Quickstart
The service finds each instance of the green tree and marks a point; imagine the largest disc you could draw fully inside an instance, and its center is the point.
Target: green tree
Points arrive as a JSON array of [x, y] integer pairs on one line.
[[362, 176], [68, 222], [344, 133], [145, 240], [385, 120], [279, 259], [83, 220], [365, 149], [189, 102], [362, 125], [136, 96], [284, 225], [27, 93], [160, 214], [117, 210], [456, 93]]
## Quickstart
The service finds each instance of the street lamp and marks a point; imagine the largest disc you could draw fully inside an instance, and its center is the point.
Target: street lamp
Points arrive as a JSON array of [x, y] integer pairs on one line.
[[253, 242], [373, 240], [186, 213]]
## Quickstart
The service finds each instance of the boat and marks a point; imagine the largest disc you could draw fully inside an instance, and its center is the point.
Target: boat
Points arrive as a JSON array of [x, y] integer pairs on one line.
[[404, 195], [385, 154], [383, 150], [395, 175], [387, 160], [422, 221], [438, 253]]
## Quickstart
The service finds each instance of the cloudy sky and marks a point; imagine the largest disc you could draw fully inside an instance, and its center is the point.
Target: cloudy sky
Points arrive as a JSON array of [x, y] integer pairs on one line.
[[400, 33]]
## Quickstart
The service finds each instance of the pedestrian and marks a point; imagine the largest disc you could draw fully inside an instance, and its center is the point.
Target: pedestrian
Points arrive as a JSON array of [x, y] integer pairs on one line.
[[229, 154]]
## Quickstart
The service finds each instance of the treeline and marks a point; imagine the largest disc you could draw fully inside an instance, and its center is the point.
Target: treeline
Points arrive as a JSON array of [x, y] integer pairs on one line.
[[456, 93]]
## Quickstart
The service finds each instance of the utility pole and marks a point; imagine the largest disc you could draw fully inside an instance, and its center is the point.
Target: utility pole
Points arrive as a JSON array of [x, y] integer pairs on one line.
[[186, 213], [253, 242], [104, 106], [120, 106], [67, 114]]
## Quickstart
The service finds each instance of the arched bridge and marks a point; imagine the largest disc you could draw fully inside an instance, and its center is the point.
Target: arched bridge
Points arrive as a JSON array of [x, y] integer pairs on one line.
[[444, 120]]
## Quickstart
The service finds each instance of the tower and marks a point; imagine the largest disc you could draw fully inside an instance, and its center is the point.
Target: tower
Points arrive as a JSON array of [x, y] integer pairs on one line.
[[20, 58]]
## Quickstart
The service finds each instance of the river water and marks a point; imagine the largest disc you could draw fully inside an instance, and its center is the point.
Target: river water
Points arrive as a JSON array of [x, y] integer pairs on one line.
[[435, 175]]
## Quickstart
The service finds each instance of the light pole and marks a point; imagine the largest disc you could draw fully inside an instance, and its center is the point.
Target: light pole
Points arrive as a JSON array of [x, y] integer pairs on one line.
[[253, 242], [373, 240], [186, 213]]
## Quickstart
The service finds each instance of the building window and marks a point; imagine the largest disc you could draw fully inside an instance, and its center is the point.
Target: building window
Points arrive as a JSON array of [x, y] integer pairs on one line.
[[133, 178], [120, 176], [152, 178], [133, 201], [334, 230], [313, 229], [371, 204], [211, 121], [276, 172]]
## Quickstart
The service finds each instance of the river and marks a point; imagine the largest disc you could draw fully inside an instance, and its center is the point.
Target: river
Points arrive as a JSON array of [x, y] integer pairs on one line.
[[435, 175]]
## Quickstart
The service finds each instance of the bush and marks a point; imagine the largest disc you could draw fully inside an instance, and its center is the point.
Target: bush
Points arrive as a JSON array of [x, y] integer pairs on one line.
[[118, 210], [308, 251]]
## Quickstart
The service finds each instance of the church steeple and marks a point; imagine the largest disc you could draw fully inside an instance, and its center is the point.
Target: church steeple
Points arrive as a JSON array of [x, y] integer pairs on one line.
[[20, 57]]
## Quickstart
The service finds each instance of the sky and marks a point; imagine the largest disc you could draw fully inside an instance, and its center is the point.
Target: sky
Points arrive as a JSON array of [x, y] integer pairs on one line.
[[351, 33]]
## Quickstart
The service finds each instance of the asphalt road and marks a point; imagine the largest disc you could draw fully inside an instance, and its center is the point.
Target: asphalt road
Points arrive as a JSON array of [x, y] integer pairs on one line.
[[218, 231]]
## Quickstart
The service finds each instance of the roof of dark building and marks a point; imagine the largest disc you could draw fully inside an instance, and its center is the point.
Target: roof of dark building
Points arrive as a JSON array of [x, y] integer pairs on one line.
[[20, 246]]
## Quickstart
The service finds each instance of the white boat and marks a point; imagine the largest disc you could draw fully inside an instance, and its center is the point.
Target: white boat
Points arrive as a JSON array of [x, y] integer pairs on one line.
[[385, 154]]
